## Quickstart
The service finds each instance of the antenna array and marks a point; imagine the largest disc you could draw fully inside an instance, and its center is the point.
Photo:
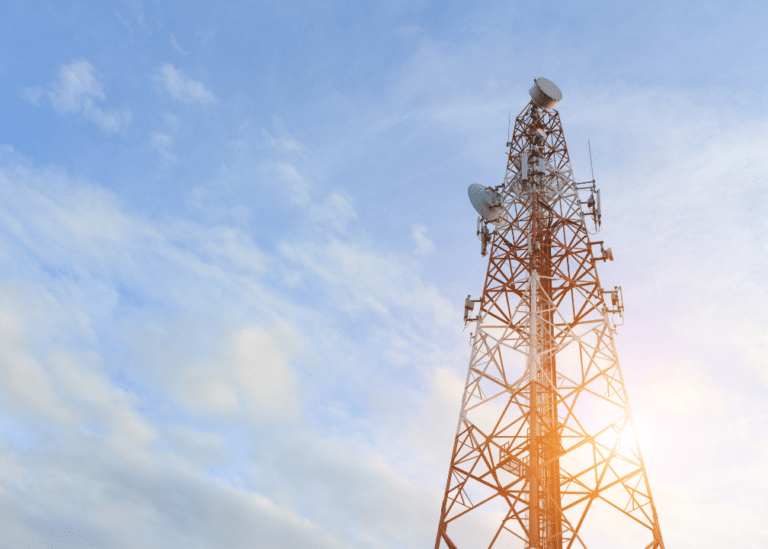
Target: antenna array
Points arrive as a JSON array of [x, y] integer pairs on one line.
[[545, 454]]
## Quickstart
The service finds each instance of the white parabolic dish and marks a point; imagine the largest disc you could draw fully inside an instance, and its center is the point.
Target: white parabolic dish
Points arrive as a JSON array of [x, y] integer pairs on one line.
[[544, 93], [486, 202]]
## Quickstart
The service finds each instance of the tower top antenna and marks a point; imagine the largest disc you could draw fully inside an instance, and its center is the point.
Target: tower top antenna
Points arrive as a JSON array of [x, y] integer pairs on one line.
[[545, 94]]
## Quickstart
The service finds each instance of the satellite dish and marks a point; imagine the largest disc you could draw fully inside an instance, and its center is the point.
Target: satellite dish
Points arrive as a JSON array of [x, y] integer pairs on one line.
[[486, 202], [544, 93]]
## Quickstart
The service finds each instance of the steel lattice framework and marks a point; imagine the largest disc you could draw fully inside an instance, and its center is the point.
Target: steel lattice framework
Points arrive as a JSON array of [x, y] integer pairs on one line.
[[546, 454]]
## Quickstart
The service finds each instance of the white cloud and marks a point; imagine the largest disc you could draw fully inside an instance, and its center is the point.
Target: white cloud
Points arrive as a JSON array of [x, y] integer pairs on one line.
[[76, 92], [245, 371], [176, 46], [25, 385], [162, 501], [335, 211], [287, 175], [282, 141], [424, 246], [208, 348], [132, 16], [359, 277], [373, 505], [162, 139], [181, 87], [161, 142]]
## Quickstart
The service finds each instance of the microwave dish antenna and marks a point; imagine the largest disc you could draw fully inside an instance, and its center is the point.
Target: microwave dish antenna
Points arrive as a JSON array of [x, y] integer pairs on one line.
[[545, 94], [486, 202]]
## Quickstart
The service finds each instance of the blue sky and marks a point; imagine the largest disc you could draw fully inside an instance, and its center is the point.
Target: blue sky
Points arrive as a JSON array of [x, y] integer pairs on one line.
[[235, 243]]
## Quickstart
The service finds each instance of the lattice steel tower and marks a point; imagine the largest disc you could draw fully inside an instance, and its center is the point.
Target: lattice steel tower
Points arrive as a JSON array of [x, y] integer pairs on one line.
[[545, 455]]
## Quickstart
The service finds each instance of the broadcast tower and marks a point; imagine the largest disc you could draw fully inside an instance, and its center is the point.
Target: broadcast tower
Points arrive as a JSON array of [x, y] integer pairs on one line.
[[545, 455]]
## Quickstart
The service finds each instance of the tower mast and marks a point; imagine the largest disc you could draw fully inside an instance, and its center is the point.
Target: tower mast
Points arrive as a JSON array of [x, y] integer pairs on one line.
[[545, 455]]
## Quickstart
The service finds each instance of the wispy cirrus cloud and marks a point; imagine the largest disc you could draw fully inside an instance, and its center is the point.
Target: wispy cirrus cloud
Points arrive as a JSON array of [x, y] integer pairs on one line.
[[250, 376], [177, 46], [424, 246], [77, 91], [181, 87]]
